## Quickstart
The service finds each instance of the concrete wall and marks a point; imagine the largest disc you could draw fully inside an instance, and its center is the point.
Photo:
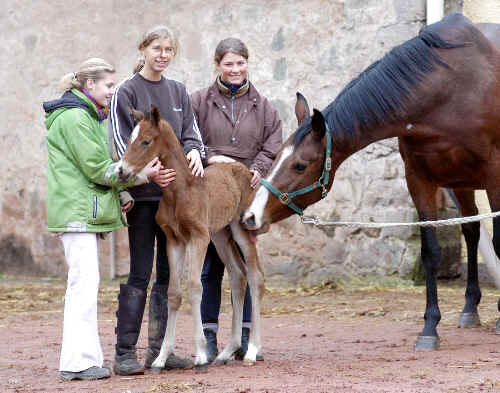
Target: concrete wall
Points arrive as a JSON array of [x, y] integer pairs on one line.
[[315, 47]]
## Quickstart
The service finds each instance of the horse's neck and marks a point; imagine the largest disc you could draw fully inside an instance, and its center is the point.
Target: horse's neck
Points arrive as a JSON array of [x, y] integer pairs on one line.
[[363, 138]]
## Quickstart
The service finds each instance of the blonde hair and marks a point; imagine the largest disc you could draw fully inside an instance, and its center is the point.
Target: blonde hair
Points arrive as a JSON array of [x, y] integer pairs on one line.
[[154, 33], [92, 68]]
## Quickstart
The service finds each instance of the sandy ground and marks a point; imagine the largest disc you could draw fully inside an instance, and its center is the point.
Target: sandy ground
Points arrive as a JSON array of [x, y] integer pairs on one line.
[[334, 338]]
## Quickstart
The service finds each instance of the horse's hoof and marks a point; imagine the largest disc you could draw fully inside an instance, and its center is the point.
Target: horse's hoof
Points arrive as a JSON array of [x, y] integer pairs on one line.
[[469, 320], [427, 343]]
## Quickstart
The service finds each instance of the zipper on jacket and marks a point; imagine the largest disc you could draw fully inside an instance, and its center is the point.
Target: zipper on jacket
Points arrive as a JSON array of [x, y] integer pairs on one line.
[[94, 213], [232, 109]]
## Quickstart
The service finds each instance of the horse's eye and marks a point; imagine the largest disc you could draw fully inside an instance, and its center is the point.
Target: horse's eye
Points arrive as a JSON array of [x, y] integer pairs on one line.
[[299, 167], [145, 142]]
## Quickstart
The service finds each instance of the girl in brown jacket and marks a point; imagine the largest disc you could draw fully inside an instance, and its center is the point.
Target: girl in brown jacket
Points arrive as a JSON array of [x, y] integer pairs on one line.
[[236, 124]]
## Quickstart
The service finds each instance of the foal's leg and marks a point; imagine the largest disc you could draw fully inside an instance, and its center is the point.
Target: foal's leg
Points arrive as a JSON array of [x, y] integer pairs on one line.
[[195, 255], [469, 316], [255, 279], [424, 197], [176, 254], [237, 277]]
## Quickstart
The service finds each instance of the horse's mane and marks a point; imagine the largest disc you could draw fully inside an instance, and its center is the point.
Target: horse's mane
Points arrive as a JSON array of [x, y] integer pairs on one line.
[[380, 94]]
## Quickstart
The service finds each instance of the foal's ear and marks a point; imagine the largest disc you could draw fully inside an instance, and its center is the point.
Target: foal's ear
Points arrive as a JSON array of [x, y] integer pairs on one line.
[[137, 115], [155, 115], [318, 124], [301, 109]]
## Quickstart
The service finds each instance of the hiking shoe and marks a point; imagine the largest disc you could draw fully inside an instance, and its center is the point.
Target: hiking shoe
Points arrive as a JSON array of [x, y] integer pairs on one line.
[[88, 374], [127, 365]]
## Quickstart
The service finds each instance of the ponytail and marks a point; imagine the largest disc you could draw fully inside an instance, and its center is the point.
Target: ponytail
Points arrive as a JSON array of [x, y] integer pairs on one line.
[[92, 68]]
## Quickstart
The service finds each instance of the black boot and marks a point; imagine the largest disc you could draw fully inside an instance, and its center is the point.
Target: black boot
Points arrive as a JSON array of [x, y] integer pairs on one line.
[[212, 350], [131, 302], [158, 316], [240, 353]]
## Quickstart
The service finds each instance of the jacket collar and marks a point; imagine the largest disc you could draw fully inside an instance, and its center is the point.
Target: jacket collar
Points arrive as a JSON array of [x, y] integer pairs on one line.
[[252, 94]]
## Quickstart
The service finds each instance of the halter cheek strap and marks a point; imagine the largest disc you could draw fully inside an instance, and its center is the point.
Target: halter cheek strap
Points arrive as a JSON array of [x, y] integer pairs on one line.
[[286, 198]]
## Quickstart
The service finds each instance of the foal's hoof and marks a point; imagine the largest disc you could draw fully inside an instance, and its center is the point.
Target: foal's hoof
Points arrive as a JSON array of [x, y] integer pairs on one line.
[[469, 320], [156, 370], [201, 367], [497, 330], [220, 362], [427, 343]]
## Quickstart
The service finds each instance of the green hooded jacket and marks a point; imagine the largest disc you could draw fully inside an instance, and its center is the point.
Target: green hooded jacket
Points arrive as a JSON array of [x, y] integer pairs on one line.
[[82, 189]]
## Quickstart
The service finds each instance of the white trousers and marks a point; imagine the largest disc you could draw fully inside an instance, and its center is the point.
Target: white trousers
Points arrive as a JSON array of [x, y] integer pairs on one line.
[[81, 347]]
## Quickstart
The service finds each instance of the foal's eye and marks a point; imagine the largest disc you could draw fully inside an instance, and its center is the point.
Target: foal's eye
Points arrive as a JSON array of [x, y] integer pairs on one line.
[[145, 142], [299, 167]]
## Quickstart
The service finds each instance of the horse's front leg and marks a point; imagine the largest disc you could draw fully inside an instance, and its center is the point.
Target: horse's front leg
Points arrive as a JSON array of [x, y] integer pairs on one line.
[[195, 255], [176, 252], [424, 197], [236, 269], [255, 278], [471, 231]]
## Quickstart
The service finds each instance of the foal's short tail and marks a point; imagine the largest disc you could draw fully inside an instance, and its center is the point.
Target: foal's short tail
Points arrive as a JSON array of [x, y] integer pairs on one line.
[[485, 247]]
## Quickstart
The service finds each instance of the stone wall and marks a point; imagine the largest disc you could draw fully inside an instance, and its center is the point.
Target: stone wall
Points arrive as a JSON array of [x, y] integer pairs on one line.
[[315, 47]]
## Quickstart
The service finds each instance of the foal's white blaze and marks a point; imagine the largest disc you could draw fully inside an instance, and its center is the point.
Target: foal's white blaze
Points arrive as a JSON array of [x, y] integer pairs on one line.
[[135, 134], [259, 202]]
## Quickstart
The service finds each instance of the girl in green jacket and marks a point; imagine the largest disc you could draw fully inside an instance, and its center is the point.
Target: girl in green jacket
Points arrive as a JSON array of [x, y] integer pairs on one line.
[[82, 201]]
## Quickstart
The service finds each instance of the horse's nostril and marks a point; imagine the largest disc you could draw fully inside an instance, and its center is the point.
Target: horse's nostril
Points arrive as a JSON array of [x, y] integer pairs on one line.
[[120, 171], [250, 221]]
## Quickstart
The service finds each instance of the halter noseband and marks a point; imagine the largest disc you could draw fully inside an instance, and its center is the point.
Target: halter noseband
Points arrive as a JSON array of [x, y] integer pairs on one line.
[[286, 197]]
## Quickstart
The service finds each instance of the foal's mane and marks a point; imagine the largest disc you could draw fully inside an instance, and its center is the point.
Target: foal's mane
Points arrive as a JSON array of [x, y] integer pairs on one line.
[[380, 94]]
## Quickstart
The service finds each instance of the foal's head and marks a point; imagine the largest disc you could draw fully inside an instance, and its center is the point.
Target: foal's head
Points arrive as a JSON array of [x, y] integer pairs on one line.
[[145, 143]]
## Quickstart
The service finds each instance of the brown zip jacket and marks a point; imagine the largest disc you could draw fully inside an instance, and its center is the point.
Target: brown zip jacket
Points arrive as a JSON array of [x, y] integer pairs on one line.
[[246, 128]]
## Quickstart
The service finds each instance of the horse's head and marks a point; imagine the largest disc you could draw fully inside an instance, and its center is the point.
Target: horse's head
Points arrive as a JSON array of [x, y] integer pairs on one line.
[[298, 165], [143, 145]]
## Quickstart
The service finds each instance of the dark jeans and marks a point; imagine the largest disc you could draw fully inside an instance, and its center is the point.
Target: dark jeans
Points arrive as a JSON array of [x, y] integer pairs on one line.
[[211, 279], [142, 232]]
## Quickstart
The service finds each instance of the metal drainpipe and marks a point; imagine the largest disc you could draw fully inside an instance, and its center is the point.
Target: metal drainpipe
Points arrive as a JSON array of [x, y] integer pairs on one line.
[[435, 11]]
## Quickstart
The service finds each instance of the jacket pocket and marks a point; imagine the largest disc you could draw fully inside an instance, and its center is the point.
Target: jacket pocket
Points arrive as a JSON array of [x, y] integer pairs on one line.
[[104, 206]]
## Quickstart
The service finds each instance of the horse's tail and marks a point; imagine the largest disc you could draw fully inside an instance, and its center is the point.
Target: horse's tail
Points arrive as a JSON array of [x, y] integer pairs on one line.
[[485, 246]]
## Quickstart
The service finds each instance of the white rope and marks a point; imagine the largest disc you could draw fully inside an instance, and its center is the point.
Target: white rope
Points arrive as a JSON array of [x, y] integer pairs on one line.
[[438, 223]]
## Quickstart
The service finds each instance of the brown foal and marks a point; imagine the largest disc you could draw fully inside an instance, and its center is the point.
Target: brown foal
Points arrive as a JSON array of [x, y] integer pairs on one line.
[[193, 211]]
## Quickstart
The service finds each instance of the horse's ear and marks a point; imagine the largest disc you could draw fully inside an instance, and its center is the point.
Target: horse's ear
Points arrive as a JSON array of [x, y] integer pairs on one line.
[[137, 115], [318, 124], [155, 115], [301, 109]]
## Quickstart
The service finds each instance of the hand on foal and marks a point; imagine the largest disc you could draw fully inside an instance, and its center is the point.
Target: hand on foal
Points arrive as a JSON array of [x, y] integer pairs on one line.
[[220, 158], [164, 177], [255, 178], [195, 163]]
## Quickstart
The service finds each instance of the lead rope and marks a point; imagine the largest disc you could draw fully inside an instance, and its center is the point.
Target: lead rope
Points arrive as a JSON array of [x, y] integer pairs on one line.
[[437, 223]]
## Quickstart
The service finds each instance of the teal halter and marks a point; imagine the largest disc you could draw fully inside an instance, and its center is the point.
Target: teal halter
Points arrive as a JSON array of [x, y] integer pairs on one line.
[[286, 197]]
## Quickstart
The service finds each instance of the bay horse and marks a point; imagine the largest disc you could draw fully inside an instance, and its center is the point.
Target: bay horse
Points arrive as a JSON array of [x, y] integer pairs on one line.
[[192, 211], [439, 93]]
